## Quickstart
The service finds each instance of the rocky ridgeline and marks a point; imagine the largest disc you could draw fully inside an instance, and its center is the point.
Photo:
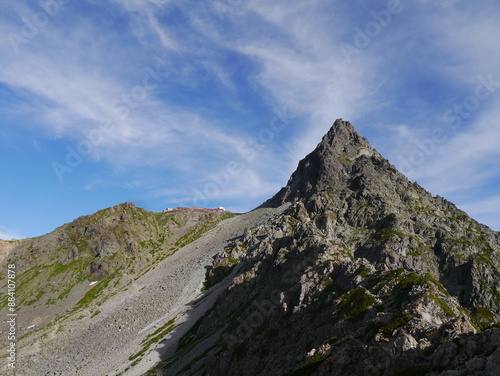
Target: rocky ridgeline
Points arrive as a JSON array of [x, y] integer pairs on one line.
[[365, 273], [113, 247]]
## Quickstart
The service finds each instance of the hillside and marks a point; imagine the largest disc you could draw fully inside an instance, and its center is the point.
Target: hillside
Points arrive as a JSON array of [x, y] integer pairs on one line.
[[72, 281], [350, 269]]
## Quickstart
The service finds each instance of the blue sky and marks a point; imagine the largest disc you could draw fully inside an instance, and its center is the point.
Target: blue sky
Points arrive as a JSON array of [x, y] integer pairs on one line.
[[188, 103]]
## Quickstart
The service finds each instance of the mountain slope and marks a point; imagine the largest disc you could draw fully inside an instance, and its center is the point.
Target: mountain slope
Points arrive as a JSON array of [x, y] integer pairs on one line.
[[115, 244], [350, 269], [100, 280], [364, 274]]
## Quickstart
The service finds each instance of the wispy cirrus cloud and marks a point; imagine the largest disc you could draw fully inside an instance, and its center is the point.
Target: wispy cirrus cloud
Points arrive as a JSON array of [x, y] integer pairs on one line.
[[79, 91], [226, 68]]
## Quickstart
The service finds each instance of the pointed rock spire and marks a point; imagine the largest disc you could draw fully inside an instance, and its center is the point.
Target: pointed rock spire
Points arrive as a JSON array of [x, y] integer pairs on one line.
[[343, 138], [330, 163]]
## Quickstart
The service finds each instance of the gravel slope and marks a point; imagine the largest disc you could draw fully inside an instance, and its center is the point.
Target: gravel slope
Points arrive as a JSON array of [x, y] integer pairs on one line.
[[102, 345]]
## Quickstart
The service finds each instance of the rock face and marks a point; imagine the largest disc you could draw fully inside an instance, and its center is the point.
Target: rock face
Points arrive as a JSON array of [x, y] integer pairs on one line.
[[365, 273]]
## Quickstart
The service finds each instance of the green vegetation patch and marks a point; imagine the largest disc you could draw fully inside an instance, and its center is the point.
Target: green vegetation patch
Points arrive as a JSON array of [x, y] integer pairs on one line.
[[154, 246], [192, 336], [153, 338], [387, 328], [233, 261], [385, 234], [36, 299], [355, 304], [440, 287], [363, 271], [27, 282], [412, 279], [151, 372], [443, 305], [484, 313], [484, 319], [381, 279], [396, 321], [483, 259], [98, 291], [403, 288]]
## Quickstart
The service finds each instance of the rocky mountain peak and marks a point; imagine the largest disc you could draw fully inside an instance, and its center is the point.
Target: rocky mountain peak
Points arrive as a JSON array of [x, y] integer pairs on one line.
[[343, 138], [341, 153], [374, 274]]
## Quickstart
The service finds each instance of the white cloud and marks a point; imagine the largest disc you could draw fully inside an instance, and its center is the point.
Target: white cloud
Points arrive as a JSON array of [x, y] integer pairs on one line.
[[302, 67], [75, 80], [166, 40], [468, 159], [145, 22], [75, 93], [301, 63]]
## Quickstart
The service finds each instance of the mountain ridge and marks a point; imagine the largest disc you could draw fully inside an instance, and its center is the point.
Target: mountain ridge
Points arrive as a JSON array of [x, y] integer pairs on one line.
[[350, 269], [391, 265]]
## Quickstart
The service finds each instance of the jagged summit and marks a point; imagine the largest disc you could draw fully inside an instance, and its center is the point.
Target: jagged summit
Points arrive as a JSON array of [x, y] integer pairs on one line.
[[341, 153], [342, 137]]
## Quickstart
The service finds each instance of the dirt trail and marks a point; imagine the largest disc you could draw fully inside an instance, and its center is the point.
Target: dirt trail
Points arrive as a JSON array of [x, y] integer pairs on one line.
[[102, 345]]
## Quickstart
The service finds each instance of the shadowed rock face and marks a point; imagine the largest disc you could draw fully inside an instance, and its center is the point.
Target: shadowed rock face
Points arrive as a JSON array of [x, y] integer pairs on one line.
[[365, 273]]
